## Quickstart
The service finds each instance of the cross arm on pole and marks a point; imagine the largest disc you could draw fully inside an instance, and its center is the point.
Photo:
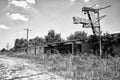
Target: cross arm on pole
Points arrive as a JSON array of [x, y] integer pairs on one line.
[[104, 7]]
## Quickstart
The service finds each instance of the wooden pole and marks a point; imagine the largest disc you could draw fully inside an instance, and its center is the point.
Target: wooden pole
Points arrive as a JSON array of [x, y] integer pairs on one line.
[[27, 30], [100, 42], [72, 47]]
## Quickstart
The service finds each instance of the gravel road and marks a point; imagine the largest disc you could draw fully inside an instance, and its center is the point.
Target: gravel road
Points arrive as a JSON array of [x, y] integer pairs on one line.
[[12, 68]]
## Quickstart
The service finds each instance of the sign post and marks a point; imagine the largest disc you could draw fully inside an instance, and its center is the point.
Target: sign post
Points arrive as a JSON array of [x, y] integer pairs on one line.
[[93, 22]]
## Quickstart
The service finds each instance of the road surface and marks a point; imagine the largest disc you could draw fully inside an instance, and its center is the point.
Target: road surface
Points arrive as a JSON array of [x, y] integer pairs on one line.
[[12, 68]]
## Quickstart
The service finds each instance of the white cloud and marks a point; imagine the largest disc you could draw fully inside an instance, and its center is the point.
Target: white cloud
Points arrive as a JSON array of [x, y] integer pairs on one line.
[[86, 0], [17, 16], [31, 1], [22, 3], [4, 27], [7, 13]]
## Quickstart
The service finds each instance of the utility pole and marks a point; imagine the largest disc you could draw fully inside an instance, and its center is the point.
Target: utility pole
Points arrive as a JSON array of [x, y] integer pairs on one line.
[[100, 33], [27, 30], [90, 23]]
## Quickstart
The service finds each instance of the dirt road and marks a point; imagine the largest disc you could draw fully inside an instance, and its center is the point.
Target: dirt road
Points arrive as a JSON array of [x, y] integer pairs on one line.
[[21, 69]]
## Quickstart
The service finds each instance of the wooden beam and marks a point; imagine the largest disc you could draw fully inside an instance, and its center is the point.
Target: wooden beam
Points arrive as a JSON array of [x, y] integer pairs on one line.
[[73, 48]]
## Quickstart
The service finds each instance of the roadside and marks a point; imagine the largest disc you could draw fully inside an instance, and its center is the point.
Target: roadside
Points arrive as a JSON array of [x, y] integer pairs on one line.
[[12, 68], [59, 67]]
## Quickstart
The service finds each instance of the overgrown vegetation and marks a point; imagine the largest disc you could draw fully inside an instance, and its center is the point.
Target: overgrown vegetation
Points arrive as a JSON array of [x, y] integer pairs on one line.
[[110, 45], [86, 66], [77, 35], [110, 42], [79, 67]]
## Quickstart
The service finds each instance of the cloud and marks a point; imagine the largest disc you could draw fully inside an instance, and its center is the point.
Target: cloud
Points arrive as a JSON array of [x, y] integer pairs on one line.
[[86, 0], [4, 27], [22, 3], [17, 16], [31, 1]]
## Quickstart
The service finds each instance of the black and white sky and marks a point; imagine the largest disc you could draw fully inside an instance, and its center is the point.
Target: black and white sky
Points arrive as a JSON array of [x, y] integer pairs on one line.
[[43, 15]]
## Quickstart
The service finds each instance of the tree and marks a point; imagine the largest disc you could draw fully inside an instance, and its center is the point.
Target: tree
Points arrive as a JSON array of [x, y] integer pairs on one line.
[[93, 42], [20, 43], [110, 44], [36, 41], [77, 35], [53, 37], [3, 50]]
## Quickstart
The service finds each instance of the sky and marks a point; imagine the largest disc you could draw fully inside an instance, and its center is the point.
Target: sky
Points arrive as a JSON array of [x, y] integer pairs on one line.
[[43, 15]]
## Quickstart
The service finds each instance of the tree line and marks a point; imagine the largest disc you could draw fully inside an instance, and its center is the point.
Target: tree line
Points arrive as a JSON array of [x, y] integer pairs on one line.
[[51, 37], [110, 43]]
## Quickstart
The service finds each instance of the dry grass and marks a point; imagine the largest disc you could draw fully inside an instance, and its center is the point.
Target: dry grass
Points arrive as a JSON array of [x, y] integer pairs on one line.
[[84, 67]]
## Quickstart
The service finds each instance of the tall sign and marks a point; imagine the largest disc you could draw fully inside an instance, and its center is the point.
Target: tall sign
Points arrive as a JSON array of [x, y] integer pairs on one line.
[[92, 22]]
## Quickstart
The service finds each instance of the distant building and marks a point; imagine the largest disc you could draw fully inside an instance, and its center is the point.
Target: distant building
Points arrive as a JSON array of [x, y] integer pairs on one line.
[[36, 50]]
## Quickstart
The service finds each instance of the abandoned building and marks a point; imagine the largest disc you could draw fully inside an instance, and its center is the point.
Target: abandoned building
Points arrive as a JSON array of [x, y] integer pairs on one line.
[[66, 47], [72, 47], [35, 50]]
